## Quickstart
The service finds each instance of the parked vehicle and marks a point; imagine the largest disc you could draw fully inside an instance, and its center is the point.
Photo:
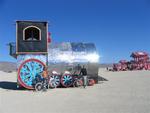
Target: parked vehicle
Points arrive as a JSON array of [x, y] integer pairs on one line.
[[34, 50]]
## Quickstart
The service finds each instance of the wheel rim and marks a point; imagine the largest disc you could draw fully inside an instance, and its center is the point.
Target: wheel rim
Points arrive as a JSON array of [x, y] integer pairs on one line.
[[28, 71], [66, 80], [54, 81], [38, 87], [79, 83]]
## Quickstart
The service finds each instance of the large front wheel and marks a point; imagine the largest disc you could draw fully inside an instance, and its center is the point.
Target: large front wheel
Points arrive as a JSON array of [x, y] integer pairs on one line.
[[28, 71]]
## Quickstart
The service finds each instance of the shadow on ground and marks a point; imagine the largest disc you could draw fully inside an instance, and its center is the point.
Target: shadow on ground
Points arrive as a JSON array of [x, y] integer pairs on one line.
[[9, 85], [102, 78], [13, 85]]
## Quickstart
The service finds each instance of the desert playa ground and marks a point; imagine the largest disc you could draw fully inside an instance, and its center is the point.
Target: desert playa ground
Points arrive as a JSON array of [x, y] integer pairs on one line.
[[119, 92]]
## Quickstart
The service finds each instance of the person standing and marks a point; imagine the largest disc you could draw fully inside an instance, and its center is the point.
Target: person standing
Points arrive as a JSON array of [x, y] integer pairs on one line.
[[83, 72]]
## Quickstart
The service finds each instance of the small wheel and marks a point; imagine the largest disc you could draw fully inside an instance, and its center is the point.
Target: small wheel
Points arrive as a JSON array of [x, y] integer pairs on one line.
[[67, 80], [91, 82], [39, 86], [54, 81], [78, 83]]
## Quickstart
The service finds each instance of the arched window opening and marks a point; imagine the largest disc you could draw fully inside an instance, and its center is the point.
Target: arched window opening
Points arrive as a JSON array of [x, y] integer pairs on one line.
[[32, 34]]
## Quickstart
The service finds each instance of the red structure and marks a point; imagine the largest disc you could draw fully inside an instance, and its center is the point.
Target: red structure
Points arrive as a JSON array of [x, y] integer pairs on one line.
[[141, 60], [121, 66]]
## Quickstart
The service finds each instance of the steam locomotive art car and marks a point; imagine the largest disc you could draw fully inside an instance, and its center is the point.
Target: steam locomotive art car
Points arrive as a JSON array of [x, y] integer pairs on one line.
[[33, 51]]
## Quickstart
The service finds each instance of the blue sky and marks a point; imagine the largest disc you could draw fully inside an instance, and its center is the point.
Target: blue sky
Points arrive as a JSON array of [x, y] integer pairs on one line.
[[117, 27]]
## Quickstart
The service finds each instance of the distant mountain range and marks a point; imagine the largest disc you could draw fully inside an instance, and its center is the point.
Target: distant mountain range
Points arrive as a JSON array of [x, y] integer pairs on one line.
[[105, 65], [11, 66], [8, 66]]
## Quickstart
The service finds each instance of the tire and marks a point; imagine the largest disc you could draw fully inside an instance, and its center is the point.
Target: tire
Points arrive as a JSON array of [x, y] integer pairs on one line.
[[26, 75], [67, 80], [78, 83], [39, 86], [54, 81]]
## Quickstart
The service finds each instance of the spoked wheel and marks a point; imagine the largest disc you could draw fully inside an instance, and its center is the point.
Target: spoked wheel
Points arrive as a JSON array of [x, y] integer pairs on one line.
[[28, 71], [39, 86], [78, 83], [66, 80], [54, 81]]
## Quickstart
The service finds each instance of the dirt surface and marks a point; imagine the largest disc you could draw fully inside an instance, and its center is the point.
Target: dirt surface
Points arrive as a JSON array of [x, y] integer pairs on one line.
[[121, 92]]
